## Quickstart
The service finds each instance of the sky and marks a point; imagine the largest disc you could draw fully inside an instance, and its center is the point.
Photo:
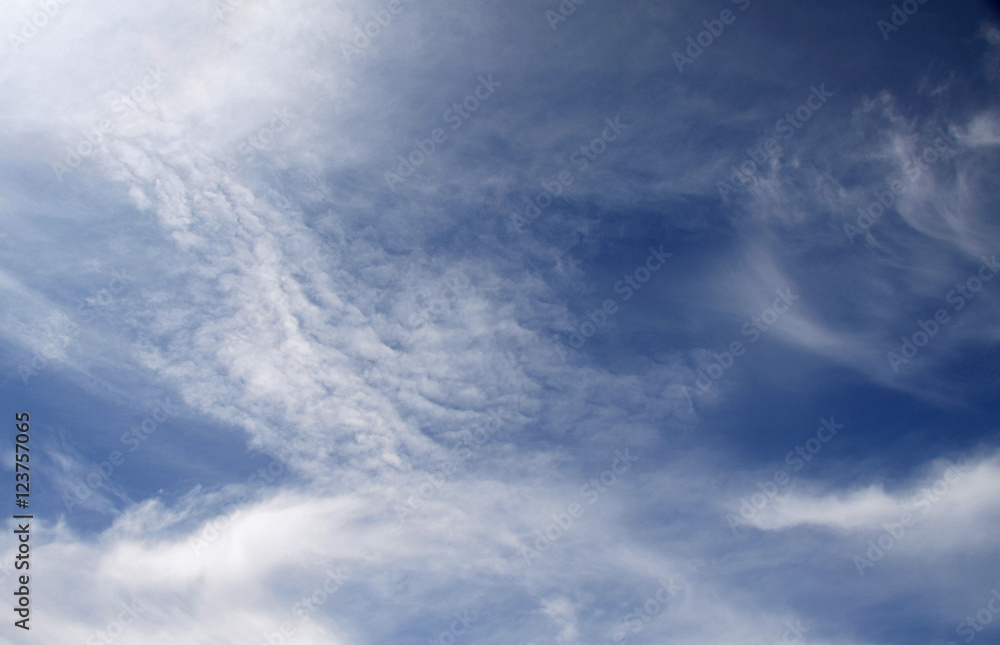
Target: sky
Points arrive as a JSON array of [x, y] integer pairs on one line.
[[474, 323]]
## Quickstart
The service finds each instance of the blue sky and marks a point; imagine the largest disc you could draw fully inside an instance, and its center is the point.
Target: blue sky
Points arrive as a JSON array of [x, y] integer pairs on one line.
[[478, 323]]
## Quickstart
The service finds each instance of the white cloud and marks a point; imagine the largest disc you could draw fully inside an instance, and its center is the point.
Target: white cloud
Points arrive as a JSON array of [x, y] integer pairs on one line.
[[954, 504]]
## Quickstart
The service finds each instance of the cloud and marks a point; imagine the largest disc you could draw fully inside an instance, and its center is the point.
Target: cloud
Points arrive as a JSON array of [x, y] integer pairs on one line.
[[400, 358], [954, 503]]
